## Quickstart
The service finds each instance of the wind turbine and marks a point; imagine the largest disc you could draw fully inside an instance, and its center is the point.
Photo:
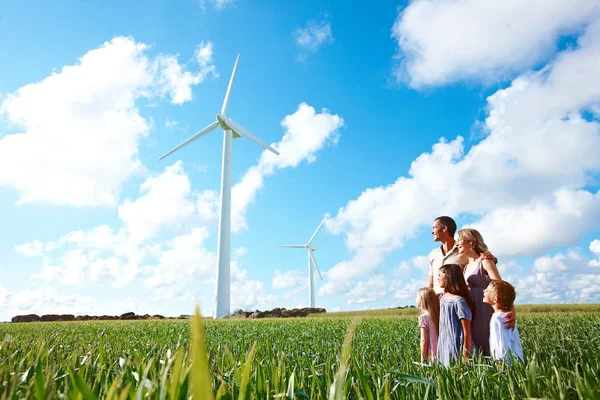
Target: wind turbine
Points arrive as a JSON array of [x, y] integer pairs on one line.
[[231, 130], [311, 262]]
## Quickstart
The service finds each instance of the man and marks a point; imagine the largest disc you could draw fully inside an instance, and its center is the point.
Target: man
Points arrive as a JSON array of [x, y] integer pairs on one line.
[[443, 230]]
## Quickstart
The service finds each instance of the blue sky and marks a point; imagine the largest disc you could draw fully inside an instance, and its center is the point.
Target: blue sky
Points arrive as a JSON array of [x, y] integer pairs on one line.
[[386, 116]]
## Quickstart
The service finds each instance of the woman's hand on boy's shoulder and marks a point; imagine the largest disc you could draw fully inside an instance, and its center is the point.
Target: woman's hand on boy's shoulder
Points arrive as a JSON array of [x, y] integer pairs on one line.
[[510, 320]]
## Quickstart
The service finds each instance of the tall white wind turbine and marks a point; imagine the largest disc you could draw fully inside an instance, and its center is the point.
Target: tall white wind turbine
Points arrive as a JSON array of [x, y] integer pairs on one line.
[[311, 261], [231, 130]]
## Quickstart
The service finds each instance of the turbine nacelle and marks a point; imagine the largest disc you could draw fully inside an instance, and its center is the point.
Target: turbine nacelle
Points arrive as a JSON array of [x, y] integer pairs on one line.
[[222, 120]]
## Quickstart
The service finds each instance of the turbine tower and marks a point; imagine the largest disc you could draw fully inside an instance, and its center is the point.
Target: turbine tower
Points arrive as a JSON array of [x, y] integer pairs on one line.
[[311, 262], [231, 130]]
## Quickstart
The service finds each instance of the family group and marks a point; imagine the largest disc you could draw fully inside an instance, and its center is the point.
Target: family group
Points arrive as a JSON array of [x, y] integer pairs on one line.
[[467, 309]]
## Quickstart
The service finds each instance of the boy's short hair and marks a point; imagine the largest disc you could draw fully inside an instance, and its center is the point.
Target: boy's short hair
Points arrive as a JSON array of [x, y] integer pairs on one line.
[[504, 291]]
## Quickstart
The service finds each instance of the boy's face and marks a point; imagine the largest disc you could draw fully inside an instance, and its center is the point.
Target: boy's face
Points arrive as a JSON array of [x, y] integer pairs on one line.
[[488, 297]]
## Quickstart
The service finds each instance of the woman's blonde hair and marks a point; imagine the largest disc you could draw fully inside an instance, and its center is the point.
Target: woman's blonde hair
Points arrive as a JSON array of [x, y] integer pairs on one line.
[[427, 300], [474, 237]]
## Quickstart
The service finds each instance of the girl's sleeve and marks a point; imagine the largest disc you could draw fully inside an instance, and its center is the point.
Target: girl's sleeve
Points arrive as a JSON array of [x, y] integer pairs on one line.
[[422, 322], [462, 310]]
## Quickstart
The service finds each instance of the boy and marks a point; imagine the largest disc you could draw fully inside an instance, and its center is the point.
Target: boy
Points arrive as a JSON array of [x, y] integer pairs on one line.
[[503, 342]]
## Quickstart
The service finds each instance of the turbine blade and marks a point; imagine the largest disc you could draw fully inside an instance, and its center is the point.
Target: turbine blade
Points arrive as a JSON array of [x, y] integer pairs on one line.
[[295, 246], [226, 101], [240, 130], [319, 227], [191, 139], [315, 262]]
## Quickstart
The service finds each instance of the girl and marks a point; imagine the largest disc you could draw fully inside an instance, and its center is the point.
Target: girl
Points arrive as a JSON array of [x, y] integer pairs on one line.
[[428, 302], [455, 315]]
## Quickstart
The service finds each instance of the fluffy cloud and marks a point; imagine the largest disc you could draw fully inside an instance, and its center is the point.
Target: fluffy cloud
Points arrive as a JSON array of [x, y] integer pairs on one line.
[[184, 260], [369, 291], [595, 248], [313, 36], [288, 279], [31, 249], [165, 200], [47, 300], [568, 277], [248, 293], [528, 174], [176, 81], [81, 128], [443, 41], [306, 132], [539, 226], [88, 257]]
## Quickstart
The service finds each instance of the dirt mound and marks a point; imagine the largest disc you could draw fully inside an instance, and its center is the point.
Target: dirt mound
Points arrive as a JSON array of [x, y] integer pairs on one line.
[[70, 317], [279, 313]]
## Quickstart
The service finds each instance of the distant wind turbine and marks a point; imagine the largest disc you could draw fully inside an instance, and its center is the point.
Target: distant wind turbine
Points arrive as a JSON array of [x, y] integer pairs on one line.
[[231, 130], [311, 262]]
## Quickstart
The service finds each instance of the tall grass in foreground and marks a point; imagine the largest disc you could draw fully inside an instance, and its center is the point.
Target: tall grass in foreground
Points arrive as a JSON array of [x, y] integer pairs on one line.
[[335, 358]]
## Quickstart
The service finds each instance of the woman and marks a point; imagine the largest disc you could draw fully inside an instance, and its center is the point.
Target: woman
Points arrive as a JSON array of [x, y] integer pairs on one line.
[[478, 272]]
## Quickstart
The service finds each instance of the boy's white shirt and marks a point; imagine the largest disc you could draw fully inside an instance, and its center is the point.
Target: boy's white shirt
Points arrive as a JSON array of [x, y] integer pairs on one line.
[[503, 341]]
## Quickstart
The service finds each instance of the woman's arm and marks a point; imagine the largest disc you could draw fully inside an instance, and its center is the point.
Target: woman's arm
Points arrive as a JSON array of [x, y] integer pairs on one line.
[[424, 345], [491, 269], [467, 341]]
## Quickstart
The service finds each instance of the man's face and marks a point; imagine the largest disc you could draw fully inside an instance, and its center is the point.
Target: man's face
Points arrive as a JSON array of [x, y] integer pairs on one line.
[[437, 231]]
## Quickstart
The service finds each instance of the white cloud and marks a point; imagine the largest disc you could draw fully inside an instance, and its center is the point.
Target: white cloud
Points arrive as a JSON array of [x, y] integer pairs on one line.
[[595, 248], [539, 226], [288, 279], [47, 300], [207, 205], [314, 35], [248, 293], [217, 4], [31, 249], [444, 41], [205, 58], [81, 128], [306, 132], [407, 294], [170, 123], [240, 251], [562, 278], [369, 291], [185, 260], [175, 80], [531, 169], [88, 257], [166, 201]]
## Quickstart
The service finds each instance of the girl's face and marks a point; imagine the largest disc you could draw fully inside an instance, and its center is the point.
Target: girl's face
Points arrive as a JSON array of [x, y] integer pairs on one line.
[[442, 279], [463, 246]]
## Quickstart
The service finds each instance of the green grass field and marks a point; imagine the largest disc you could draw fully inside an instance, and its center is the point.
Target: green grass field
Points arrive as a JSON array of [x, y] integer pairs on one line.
[[301, 358]]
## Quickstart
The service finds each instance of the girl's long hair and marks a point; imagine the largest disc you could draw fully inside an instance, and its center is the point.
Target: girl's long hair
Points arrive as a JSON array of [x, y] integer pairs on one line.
[[455, 283], [427, 300]]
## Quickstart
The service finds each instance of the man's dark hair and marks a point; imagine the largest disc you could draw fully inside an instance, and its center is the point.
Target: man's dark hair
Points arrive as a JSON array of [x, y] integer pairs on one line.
[[448, 223]]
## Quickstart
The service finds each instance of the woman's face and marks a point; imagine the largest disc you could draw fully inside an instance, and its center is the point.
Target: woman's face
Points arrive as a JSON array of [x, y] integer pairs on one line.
[[442, 279], [463, 246]]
